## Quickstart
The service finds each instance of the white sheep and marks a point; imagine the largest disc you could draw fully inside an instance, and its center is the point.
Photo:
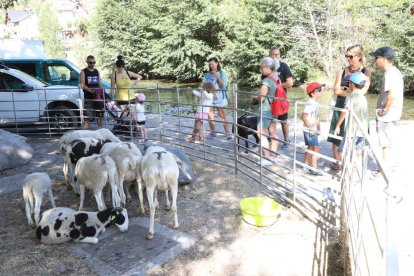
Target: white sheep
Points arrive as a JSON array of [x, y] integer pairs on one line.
[[127, 158], [36, 185], [59, 225], [93, 172], [77, 149], [160, 171], [69, 136]]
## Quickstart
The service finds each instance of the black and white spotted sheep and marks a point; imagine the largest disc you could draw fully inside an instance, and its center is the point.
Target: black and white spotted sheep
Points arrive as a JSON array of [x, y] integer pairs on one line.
[[78, 149], [59, 225]]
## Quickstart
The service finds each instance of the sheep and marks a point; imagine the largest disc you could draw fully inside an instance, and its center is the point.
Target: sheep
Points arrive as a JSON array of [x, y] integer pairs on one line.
[[36, 185], [77, 149], [127, 158], [94, 172], [69, 136], [59, 225], [160, 171]]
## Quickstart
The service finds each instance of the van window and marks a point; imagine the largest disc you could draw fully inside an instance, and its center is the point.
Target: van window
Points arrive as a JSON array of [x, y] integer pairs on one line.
[[55, 73], [29, 68]]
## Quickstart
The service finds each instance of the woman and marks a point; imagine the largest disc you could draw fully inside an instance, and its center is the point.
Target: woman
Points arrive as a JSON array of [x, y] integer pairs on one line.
[[219, 78], [268, 66], [122, 79], [356, 59]]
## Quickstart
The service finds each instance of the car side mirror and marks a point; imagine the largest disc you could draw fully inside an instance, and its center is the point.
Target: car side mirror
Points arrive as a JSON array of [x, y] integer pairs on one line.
[[25, 87], [73, 76]]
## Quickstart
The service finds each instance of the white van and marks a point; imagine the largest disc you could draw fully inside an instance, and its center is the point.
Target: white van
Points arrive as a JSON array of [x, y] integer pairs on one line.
[[25, 100]]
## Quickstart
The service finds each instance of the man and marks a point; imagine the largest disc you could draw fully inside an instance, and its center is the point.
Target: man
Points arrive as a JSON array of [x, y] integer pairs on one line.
[[286, 79], [89, 81], [390, 100]]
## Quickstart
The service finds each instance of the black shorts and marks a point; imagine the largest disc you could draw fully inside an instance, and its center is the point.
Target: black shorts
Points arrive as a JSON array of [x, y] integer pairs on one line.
[[126, 102], [283, 117], [141, 123]]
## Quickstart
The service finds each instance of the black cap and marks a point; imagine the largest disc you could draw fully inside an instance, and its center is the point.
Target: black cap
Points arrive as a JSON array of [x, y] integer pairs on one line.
[[386, 52]]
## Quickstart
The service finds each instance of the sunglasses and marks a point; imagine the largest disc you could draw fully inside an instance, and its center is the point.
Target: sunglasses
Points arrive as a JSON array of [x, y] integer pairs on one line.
[[349, 56], [91, 62]]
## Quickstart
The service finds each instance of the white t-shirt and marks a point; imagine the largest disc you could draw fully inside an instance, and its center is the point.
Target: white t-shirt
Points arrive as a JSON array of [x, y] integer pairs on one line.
[[393, 80], [312, 109], [357, 102], [206, 100], [139, 110]]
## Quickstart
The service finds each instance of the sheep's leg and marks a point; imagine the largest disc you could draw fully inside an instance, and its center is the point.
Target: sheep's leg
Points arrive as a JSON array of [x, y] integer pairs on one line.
[[38, 203], [51, 199], [126, 190], [116, 200], [82, 196], [174, 193], [101, 203], [29, 207], [140, 195], [74, 183], [121, 188], [167, 200], [150, 195], [156, 204], [89, 240]]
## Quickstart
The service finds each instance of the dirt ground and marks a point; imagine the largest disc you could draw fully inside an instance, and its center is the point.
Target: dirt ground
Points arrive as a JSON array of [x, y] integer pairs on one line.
[[208, 209]]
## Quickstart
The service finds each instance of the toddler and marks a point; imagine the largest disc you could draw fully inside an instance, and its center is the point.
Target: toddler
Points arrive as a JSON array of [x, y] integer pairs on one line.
[[138, 113], [207, 95]]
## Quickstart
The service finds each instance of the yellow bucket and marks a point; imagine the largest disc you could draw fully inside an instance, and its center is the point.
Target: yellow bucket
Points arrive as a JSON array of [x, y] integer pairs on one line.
[[259, 211]]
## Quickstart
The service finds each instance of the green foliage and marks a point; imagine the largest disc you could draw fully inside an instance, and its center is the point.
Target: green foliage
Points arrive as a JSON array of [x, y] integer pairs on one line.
[[49, 28]]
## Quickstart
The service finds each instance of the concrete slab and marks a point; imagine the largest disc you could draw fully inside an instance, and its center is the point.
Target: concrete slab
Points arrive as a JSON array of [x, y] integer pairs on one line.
[[12, 183], [131, 253]]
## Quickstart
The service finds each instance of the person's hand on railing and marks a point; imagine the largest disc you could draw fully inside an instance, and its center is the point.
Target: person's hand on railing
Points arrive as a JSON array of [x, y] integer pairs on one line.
[[337, 131]]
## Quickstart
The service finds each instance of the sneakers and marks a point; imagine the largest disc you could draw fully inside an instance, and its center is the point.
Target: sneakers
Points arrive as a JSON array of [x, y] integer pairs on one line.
[[265, 163], [315, 172], [285, 145], [211, 135], [229, 136]]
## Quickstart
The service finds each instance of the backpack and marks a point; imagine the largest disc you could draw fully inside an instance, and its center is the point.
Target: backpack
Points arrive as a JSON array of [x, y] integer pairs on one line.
[[278, 107]]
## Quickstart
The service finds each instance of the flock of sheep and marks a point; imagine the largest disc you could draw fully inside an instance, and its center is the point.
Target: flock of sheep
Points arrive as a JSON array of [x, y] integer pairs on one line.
[[92, 159]]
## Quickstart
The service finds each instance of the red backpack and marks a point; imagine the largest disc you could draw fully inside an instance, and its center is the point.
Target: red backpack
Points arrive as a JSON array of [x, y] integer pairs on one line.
[[278, 107]]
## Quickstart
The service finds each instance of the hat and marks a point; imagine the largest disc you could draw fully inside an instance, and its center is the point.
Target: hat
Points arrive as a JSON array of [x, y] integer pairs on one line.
[[312, 86], [358, 78], [140, 97], [386, 52]]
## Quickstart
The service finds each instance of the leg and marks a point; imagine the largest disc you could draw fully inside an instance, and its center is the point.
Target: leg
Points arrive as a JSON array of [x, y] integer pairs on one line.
[[211, 121], [140, 195], [314, 157], [126, 190], [51, 199], [285, 130], [93, 240], [38, 203], [307, 156], [223, 118], [274, 141], [82, 196], [150, 197], [29, 207], [174, 192], [167, 200], [99, 201]]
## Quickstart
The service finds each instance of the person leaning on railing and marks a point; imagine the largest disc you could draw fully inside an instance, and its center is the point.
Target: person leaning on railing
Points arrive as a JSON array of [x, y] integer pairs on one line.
[[121, 79]]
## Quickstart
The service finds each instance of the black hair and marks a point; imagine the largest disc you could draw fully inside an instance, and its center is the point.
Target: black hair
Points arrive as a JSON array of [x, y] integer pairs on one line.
[[90, 57], [215, 59], [359, 86], [120, 61], [275, 48]]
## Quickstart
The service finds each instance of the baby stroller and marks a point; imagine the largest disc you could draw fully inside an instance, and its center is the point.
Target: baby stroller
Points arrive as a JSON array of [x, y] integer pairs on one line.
[[122, 121]]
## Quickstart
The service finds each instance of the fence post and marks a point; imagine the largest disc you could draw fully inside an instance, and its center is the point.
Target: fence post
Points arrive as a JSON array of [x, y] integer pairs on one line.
[[159, 112], [294, 150], [235, 138], [179, 115]]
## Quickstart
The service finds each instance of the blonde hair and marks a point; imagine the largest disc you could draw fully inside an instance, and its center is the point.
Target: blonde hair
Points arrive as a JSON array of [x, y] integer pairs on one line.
[[358, 50], [210, 88]]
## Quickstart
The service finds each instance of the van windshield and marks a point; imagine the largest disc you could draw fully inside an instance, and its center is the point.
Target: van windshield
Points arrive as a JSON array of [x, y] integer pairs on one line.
[[38, 82]]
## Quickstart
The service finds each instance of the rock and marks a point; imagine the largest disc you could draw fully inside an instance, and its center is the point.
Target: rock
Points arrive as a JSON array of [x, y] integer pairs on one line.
[[14, 151], [182, 179]]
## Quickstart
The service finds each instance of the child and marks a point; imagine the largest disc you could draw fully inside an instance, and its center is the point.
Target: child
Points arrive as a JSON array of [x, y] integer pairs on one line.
[[207, 95], [358, 103], [310, 118], [140, 114]]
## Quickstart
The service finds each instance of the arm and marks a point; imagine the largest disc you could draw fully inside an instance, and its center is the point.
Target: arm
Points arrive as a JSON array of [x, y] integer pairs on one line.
[[112, 82], [339, 122], [82, 83], [197, 93], [135, 75], [288, 83], [287, 76], [338, 89], [304, 118], [390, 101], [99, 78], [368, 83], [263, 92]]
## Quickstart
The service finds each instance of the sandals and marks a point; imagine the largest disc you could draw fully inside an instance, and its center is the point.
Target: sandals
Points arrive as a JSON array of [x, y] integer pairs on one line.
[[336, 167], [195, 140]]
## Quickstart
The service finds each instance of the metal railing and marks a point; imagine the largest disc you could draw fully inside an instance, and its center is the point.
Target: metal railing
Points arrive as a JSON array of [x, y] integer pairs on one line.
[[346, 202]]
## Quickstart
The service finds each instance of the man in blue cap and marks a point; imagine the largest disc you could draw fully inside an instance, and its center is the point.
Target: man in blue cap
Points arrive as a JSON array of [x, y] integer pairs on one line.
[[390, 100]]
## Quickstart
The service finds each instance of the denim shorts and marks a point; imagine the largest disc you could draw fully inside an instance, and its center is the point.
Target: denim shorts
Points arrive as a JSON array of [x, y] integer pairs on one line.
[[311, 140], [266, 120], [359, 144]]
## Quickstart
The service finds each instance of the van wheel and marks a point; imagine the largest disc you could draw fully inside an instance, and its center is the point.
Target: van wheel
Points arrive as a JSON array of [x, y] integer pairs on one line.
[[62, 119]]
